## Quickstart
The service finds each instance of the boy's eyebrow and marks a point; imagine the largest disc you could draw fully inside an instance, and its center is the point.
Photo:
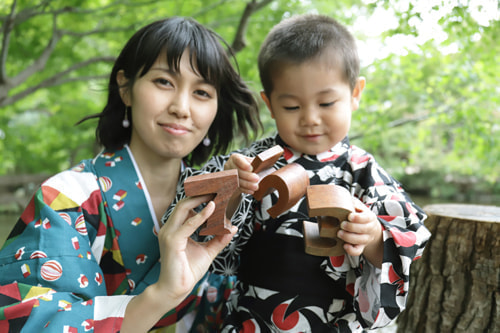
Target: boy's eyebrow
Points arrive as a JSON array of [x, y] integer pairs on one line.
[[285, 95], [328, 91], [322, 92]]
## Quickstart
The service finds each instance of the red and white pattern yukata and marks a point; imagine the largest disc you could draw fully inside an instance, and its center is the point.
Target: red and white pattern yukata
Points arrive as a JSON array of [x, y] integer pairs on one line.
[[280, 288]]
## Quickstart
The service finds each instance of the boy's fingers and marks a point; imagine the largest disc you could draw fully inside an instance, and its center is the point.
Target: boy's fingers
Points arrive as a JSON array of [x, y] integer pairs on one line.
[[353, 250], [243, 162], [246, 185], [359, 206]]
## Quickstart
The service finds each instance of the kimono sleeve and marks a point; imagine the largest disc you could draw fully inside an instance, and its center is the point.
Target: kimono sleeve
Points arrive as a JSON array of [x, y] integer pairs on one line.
[[50, 279], [380, 294]]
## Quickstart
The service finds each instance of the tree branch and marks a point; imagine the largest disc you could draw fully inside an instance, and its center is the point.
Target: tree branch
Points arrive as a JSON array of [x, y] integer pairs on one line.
[[58, 79], [7, 29], [93, 32], [404, 121], [206, 9], [251, 7], [45, 84], [40, 62], [28, 13]]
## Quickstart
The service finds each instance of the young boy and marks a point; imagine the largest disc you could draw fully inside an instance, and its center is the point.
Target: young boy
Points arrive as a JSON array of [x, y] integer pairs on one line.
[[309, 70]]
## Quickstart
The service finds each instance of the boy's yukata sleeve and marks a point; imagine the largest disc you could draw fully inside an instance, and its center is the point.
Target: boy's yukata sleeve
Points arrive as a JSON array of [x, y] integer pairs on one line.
[[50, 279], [381, 294]]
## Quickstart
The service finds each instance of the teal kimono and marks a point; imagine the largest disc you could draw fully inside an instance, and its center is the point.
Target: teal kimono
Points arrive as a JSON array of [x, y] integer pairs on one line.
[[84, 246]]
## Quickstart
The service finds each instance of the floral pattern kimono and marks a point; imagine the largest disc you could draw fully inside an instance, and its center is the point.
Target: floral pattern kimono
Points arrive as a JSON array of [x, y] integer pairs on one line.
[[280, 288], [84, 246]]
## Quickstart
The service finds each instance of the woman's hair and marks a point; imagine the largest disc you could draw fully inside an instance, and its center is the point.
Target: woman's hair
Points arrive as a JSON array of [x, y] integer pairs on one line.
[[173, 36], [304, 38]]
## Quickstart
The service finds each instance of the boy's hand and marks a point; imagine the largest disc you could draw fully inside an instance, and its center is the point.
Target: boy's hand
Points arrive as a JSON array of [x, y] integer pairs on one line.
[[362, 234], [248, 181]]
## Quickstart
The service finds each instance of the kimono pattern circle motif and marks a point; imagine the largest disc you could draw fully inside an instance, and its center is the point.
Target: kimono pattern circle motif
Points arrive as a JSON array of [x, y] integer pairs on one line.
[[83, 247]]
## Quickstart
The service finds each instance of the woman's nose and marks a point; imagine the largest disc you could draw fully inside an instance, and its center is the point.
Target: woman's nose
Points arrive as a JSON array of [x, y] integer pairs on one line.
[[179, 105]]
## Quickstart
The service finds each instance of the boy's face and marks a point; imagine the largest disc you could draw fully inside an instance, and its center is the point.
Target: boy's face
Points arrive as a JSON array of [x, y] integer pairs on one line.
[[312, 105]]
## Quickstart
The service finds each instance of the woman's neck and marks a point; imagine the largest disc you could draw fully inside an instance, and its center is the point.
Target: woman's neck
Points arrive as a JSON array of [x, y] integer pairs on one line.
[[160, 176]]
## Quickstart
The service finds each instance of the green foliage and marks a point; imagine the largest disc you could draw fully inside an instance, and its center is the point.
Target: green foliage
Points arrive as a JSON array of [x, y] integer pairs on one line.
[[432, 108], [449, 100]]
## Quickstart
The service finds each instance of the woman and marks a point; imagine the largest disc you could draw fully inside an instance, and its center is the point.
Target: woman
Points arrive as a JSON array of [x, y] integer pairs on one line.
[[86, 251]]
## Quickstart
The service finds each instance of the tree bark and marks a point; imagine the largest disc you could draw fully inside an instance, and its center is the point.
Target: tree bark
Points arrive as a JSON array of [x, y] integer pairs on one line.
[[455, 286]]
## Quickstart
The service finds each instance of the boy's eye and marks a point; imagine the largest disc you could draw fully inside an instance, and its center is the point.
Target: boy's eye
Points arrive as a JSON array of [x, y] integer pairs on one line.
[[324, 105], [291, 108]]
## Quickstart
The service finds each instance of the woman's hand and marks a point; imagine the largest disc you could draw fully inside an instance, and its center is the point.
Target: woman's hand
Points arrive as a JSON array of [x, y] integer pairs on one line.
[[183, 263]]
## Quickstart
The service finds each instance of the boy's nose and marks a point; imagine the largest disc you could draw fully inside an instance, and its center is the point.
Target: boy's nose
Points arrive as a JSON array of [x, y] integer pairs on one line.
[[310, 117]]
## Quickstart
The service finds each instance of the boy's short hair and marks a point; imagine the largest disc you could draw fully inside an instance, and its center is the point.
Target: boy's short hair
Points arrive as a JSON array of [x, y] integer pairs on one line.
[[302, 38]]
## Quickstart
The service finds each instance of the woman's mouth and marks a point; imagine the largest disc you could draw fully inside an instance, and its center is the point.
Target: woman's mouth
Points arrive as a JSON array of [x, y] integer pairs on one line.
[[174, 129]]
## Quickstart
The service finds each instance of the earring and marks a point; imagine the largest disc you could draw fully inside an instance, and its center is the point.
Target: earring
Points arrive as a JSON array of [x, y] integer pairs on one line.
[[125, 121], [206, 141]]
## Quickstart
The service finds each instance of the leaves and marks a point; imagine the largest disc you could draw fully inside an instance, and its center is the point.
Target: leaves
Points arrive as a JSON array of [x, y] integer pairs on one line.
[[431, 103]]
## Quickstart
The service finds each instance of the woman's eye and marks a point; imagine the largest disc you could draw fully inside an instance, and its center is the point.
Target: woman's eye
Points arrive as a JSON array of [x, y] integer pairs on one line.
[[202, 93], [163, 82]]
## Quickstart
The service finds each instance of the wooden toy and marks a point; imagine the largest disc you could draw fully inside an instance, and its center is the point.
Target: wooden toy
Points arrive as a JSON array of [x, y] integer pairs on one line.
[[331, 204], [291, 182], [222, 184], [262, 163]]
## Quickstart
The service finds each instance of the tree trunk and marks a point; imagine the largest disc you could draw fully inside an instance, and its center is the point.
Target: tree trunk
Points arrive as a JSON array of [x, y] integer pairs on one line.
[[455, 286]]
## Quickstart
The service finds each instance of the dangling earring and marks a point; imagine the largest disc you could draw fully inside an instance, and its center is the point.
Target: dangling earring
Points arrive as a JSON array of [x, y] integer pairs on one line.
[[125, 121], [206, 141]]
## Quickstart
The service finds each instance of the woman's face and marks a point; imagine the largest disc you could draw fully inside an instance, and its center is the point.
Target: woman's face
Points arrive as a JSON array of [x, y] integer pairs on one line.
[[171, 111]]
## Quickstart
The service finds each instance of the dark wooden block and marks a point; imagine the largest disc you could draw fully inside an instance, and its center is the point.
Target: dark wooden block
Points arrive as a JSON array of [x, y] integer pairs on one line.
[[222, 185], [290, 181], [266, 159], [320, 246], [331, 204]]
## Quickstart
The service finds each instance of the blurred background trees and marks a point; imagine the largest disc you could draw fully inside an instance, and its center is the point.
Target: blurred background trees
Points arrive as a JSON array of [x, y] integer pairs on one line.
[[430, 112]]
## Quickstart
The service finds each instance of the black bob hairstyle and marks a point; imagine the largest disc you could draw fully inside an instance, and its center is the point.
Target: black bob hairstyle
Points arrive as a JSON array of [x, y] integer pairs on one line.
[[207, 57]]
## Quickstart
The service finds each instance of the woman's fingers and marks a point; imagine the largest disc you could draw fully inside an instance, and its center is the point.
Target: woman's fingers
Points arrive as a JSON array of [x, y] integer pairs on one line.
[[215, 245], [185, 219], [193, 222]]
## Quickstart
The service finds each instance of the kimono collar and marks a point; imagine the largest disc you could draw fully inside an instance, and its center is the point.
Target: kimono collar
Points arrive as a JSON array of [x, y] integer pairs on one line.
[[123, 186], [331, 154]]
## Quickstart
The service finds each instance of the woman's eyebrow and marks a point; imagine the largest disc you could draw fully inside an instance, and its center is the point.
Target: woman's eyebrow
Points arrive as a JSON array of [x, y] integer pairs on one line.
[[168, 70]]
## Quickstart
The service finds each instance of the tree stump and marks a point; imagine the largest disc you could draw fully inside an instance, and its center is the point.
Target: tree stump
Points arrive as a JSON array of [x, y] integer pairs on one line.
[[455, 286]]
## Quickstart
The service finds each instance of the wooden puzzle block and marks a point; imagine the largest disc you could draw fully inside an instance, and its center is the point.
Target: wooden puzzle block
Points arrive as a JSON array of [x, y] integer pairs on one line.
[[291, 182], [267, 158], [331, 204], [222, 184], [320, 246]]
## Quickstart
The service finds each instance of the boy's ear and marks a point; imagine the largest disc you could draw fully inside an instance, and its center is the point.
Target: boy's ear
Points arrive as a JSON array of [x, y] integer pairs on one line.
[[123, 88], [357, 92], [267, 101]]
